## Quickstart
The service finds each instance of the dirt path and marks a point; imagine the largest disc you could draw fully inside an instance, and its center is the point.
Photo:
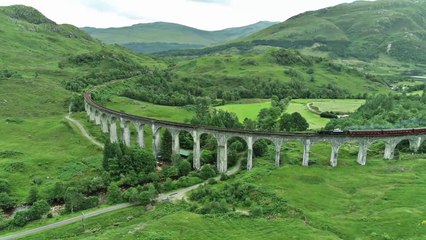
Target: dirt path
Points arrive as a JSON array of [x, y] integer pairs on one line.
[[84, 132]]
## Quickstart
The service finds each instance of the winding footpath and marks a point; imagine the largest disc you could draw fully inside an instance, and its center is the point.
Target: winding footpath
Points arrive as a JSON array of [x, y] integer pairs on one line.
[[84, 132], [170, 196]]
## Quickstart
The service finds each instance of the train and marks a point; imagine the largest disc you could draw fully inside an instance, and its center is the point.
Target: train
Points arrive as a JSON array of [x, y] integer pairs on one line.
[[381, 132]]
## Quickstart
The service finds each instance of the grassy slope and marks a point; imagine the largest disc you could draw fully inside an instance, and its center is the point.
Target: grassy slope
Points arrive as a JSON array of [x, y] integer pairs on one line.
[[51, 150], [367, 26], [231, 69]]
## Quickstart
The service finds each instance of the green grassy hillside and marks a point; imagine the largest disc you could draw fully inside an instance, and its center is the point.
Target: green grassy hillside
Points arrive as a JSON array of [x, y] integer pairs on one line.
[[162, 36], [269, 69], [363, 29], [32, 49], [38, 147]]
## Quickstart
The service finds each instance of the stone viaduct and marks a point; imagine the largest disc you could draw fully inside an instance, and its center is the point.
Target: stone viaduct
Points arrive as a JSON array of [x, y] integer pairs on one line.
[[108, 118]]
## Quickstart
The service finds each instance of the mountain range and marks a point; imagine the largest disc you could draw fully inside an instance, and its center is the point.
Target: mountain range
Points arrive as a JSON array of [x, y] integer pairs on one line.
[[162, 36]]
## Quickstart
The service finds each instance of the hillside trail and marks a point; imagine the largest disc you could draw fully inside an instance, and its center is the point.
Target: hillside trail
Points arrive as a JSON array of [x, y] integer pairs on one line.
[[82, 129]]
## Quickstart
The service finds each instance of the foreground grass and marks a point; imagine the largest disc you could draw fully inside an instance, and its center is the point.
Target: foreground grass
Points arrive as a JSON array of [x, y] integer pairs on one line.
[[382, 200], [46, 150]]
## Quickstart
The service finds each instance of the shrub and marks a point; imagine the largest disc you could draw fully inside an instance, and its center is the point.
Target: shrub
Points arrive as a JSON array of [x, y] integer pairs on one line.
[[256, 211], [207, 171]]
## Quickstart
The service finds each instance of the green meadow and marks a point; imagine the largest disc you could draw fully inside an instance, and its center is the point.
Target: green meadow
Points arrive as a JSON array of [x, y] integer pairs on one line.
[[41, 151]]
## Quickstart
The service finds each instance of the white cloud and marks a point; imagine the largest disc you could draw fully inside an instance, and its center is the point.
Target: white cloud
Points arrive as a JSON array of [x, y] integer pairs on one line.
[[203, 14]]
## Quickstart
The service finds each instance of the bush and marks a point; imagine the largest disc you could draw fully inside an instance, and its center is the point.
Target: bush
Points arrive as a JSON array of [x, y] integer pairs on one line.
[[207, 171], [256, 211], [184, 167], [4, 186], [114, 194], [6, 202]]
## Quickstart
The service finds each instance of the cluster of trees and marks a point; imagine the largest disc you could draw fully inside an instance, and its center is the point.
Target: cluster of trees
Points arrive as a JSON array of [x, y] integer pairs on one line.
[[105, 66], [216, 200], [386, 112]]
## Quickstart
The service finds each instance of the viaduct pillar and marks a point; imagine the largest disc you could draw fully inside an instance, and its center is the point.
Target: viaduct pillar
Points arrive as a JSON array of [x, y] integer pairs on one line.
[[125, 131], [104, 123], [196, 150], [249, 141], [415, 144], [334, 154], [362, 153], [307, 147], [113, 130], [175, 141], [222, 153], [155, 140], [140, 134], [278, 143], [390, 146]]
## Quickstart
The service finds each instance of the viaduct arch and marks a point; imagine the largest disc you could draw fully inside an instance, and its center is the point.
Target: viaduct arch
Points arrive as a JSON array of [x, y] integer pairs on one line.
[[107, 119]]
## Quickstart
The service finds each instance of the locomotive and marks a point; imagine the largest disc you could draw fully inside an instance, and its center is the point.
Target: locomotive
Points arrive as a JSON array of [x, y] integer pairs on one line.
[[381, 132]]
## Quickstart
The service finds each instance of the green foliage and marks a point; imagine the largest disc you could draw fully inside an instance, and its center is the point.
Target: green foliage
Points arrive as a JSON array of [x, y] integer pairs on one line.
[[293, 122], [118, 160], [114, 194], [6, 202], [184, 167], [38, 209], [4, 186], [289, 57], [33, 196], [166, 146], [386, 111], [207, 171], [76, 201], [4, 74]]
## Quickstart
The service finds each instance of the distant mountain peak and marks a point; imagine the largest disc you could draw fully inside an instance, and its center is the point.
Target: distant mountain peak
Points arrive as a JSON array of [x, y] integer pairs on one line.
[[26, 13]]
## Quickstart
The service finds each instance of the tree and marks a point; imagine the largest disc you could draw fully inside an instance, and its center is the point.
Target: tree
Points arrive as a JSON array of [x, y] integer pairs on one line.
[[285, 122], [6, 202], [184, 167], [114, 194], [249, 124], [57, 193], [38, 209], [207, 172], [32, 196], [166, 146], [299, 123], [111, 150], [260, 148]]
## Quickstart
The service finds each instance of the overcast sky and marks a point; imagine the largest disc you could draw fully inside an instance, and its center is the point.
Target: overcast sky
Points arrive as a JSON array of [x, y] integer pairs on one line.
[[202, 14]]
